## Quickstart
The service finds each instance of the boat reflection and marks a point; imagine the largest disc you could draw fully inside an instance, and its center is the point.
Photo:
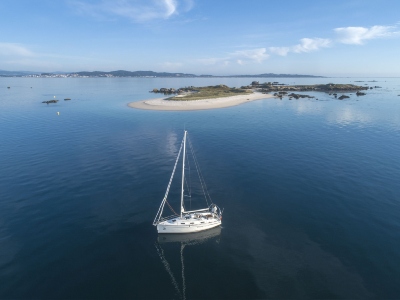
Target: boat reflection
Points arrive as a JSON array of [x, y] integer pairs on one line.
[[188, 239]]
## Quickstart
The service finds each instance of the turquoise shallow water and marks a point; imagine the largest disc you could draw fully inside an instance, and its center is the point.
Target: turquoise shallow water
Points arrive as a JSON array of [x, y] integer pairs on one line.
[[310, 190]]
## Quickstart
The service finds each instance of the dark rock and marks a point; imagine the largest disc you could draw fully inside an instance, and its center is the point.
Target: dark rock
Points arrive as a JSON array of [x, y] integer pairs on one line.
[[50, 101], [297, 96], [360, 93], [343, 97]]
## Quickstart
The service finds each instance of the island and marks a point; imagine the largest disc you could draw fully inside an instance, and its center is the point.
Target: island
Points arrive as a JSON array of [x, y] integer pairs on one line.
[[199, 98], [220, 96]]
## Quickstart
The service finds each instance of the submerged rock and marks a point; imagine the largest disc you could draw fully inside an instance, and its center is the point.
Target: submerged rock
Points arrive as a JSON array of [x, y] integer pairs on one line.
[[343, 97]]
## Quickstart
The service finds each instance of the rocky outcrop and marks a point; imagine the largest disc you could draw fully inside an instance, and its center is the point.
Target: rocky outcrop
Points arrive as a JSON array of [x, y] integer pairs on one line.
[[50, 101], [269, 87], [343, 97]]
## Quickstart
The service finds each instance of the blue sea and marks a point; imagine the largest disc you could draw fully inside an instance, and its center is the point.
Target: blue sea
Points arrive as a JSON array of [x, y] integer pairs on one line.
[[310, 190]]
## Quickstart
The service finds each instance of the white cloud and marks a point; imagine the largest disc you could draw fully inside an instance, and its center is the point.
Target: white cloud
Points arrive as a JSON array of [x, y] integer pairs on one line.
[[308, 45], [11, 49], [240, 57], [257, 55], [282, 51], [347, 35], [136, 10], [142, 12], [357, 35]]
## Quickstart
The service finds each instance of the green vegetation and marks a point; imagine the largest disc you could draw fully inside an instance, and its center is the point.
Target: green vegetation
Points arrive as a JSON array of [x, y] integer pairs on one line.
[[208, 92]]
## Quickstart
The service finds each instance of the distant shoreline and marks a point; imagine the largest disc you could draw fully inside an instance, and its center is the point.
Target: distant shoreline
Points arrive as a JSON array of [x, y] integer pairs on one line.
[[203, 104], [140, 74]]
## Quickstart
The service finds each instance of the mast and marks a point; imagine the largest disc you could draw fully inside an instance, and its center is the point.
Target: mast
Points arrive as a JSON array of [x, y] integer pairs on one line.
[[183, 172]]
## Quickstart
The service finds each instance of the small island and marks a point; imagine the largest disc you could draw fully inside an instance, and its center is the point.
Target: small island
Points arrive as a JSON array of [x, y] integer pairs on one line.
[[219, 96], [206, 92], [199, 98]]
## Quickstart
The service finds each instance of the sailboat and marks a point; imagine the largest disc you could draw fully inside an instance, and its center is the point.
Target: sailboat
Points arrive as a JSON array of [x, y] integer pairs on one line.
[[187, 221]]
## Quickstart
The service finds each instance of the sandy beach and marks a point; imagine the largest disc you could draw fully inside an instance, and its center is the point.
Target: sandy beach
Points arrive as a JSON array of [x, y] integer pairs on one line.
[[162, 104]]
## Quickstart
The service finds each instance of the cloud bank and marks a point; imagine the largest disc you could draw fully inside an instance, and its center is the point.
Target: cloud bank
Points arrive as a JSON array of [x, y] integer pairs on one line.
[[357, 35], [306, 45], [342, 35]]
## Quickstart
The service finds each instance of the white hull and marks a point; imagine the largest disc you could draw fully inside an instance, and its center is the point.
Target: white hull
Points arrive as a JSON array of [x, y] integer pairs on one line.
[[188, 226], [194, 238]]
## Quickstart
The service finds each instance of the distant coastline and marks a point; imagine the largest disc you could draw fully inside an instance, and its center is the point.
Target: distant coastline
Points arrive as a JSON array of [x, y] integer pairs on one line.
[[145, 74]]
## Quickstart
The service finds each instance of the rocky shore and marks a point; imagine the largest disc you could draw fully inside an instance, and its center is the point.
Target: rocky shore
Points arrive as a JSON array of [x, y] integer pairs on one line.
[[281, 90], [269, 87]]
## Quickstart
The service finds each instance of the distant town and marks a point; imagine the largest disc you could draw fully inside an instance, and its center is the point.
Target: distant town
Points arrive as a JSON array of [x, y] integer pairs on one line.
[[149, 74]]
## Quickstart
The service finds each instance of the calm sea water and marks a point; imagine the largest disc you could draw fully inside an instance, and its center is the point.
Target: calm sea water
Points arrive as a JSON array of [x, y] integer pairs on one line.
[[310, 190]]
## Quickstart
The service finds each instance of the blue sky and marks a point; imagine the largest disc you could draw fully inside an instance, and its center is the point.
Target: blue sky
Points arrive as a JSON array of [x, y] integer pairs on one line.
[[329, 38]]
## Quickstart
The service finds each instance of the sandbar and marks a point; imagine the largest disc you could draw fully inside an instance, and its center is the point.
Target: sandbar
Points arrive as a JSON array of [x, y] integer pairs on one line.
[[162, 104]]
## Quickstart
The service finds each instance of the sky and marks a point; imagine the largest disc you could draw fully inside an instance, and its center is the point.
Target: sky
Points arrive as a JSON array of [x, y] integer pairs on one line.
[[216, 37]]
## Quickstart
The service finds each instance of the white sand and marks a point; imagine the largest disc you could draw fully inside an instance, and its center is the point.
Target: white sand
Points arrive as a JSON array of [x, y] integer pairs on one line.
[[162, 104]]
